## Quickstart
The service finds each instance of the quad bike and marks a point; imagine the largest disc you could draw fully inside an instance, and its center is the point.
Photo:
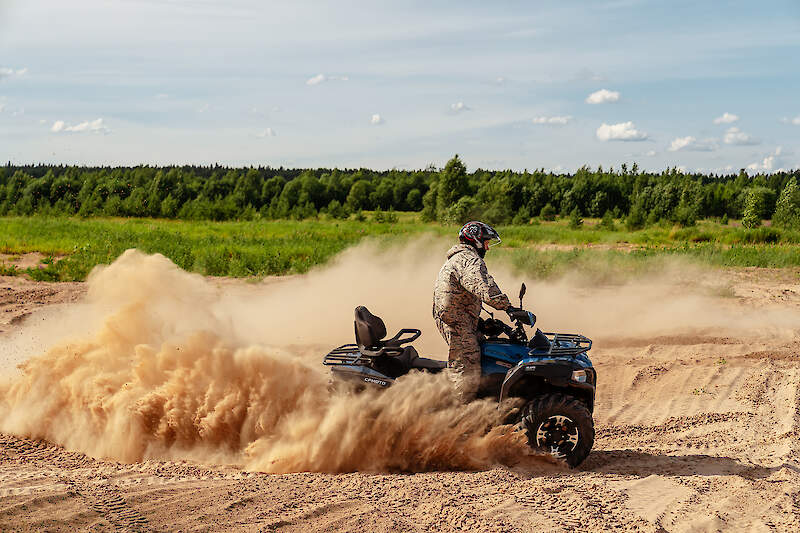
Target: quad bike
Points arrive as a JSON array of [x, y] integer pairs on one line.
[[550, 372]]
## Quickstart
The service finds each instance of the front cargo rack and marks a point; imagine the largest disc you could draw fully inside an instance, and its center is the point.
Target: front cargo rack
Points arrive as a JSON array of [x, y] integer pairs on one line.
[[579, 344], [346, 354]]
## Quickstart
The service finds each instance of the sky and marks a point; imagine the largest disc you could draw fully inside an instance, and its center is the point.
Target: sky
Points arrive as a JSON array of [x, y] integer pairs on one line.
[[703, 86]]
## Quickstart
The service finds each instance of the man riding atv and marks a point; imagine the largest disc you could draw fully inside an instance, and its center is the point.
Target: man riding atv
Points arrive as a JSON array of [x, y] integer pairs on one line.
[[550, 374], [462, 285]]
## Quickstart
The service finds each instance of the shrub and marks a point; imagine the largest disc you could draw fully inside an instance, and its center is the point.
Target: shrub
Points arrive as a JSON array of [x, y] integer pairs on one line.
[[336, 210], [522, 217], [8, 270], [575, 220], [607, 221], [548, 212], [464, 210]]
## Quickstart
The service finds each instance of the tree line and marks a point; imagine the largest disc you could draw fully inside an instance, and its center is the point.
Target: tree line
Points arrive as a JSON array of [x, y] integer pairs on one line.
[[450, 194]]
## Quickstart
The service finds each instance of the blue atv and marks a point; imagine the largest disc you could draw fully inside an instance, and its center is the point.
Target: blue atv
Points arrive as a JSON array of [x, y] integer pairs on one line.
[[550, 372]]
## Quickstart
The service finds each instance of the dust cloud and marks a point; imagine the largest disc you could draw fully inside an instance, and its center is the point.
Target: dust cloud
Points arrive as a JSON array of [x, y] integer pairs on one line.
[[183, 369], [170, 365]]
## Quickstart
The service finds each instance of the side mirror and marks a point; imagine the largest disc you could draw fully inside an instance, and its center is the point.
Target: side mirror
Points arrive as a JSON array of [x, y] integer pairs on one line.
[[522, 293]]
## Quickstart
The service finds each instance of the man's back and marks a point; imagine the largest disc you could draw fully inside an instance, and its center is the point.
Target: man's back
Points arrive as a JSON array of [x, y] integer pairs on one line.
[[463, 282]]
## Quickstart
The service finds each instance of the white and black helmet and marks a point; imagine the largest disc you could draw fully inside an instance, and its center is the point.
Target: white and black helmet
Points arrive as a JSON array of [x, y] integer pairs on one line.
[[475, 233]]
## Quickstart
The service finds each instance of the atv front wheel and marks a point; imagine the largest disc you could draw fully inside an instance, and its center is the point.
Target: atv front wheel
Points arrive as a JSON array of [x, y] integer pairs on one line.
[[559, 425]]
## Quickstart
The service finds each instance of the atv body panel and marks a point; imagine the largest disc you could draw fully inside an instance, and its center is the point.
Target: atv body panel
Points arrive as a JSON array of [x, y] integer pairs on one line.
[[515, 369]]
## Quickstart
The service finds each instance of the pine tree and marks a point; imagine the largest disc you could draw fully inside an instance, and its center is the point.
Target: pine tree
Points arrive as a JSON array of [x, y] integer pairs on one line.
[[751, 218], [787, 209], [452, 186]]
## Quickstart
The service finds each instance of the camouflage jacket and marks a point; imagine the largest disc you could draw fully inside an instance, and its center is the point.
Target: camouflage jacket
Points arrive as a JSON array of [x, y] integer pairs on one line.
[[462, 284]]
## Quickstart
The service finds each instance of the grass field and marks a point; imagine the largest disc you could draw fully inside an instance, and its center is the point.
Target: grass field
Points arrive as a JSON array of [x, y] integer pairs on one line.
[[264, 248]]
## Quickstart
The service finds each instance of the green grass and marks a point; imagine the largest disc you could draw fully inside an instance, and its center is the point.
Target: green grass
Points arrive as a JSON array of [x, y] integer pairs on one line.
[[213, 248], [262, 248]]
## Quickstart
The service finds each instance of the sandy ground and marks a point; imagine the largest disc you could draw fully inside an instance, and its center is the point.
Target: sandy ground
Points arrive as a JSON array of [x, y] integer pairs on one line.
[[694, 433]]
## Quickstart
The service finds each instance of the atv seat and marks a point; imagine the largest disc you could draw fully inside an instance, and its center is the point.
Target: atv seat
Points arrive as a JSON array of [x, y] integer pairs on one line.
[[428, 364], [370, 333], [406, 360]]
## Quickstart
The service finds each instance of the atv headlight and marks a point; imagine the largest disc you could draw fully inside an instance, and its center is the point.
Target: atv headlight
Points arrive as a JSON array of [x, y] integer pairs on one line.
[[579, 376]]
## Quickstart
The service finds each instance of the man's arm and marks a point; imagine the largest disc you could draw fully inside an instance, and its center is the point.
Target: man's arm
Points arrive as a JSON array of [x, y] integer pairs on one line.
[[476, 279]]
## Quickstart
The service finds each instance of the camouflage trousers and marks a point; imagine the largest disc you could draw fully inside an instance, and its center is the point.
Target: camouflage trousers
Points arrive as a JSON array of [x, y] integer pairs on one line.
[[464, 358]]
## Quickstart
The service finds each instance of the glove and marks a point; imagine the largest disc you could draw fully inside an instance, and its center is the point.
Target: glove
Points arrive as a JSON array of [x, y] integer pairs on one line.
[[521, 315]]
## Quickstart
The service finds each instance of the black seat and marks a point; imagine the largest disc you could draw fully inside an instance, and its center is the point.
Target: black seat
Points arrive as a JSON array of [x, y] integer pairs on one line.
[[398, 364], [370, 329], [370, 333], [428, 364]]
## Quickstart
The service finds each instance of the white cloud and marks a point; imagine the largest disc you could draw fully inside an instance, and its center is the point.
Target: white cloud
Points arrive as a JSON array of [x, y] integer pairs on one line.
[[795, 120], [726, 118], [603, 96], [651, 153], [500, 80], [203, 108], [690, 144], [736, 136], [320, 78], [2, 106], [376, 120], [624, 131], [162, 96], [556, 120], [6, 72], [269, 132], [458, 107], [95, 126], [769, 163]]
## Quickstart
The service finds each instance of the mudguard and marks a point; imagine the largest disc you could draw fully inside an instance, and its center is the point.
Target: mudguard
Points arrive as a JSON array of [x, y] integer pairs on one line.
[[557, 373]]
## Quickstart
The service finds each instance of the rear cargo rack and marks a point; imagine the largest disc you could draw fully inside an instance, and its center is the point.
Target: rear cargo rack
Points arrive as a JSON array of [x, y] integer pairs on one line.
[[580, 344], [346, 354]]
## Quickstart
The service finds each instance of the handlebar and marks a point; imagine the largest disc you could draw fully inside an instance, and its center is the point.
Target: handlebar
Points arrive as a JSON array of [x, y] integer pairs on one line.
[[494, 327]]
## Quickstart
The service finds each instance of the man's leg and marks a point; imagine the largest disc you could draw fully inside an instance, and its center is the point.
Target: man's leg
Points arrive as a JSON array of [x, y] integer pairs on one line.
[[464, 362]]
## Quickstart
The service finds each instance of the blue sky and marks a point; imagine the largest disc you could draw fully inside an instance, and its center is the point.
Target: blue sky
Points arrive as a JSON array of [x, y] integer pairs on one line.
[[710, 86]]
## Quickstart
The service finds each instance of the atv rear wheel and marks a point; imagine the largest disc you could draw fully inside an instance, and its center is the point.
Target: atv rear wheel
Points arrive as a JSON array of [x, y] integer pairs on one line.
[[559, 425]]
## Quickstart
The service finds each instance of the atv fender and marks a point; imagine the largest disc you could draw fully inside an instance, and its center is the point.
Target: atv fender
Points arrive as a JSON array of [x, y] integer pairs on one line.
[[556, 374]]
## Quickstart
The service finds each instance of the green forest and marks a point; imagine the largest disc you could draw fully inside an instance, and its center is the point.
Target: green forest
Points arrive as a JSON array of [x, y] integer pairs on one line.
[[449, 195]]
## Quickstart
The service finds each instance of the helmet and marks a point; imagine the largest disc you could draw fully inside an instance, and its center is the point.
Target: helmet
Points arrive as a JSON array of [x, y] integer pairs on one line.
[[475, 233]]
